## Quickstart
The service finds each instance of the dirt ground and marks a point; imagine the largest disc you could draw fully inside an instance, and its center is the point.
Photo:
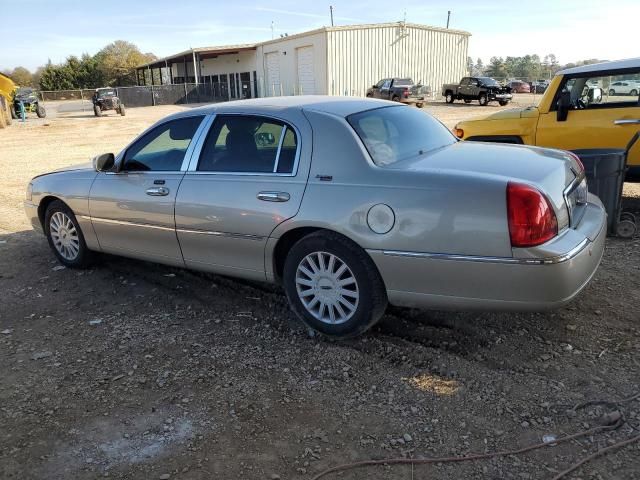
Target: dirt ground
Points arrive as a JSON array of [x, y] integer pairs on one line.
[[131, 370]]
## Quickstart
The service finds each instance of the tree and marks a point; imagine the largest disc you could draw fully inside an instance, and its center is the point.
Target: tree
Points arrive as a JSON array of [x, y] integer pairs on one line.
[[479, 66], [497, 68], [118, 61], [20, 76]]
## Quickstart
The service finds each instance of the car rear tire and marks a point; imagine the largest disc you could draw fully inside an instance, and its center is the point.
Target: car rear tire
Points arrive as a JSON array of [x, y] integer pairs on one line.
[[333, 286], [122, 110], [633, 93], [65, 236], [482, 99], [40, 111], [395, 98], [96, 111], [612, 92]]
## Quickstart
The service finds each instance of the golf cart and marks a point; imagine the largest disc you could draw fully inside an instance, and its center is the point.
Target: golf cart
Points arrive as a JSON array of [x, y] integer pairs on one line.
[[26, 98], [106, 99]]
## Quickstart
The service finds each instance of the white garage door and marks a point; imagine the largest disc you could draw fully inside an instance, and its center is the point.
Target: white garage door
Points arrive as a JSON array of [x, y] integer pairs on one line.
[[306, 79], [273, 74]]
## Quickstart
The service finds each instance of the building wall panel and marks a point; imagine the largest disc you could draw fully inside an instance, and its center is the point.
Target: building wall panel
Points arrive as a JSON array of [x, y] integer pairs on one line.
[[359, 57]]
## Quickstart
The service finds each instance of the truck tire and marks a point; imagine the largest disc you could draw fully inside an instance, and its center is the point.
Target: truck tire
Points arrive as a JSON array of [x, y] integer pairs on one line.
[[448, 97], [96, 111], [419, 105], [503, 102], [482, 99], [467, 101], [395, 98], [40, 111], [13, 112]]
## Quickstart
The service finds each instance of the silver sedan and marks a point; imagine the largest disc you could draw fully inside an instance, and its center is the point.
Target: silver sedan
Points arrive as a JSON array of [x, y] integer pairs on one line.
[[350, 204]]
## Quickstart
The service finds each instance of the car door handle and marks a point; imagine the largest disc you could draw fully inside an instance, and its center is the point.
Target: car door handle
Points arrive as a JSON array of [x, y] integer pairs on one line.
[[274, 196], [627, 121], [158, 191]]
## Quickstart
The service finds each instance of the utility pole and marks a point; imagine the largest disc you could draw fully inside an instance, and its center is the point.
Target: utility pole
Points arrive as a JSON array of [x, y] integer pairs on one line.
[[331, 13], [448, 17], [271, 29]]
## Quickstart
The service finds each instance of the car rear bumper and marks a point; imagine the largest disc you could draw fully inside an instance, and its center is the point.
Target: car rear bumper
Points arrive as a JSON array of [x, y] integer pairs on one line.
[[442, 281]]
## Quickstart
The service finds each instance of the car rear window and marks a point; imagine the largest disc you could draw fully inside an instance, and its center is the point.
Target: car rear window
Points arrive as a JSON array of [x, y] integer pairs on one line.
[[397, 133]]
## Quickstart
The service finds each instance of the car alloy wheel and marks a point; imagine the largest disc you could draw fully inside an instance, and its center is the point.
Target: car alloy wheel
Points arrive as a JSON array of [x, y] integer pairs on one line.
[[332, 285], [65, 236], [449, 98], [327, 288], [633, 93]]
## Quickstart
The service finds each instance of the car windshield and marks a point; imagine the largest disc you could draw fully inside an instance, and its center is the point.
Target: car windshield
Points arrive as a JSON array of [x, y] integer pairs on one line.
[[106, 93], [488, 81], [403, 81], [394, 134], [24, 91]]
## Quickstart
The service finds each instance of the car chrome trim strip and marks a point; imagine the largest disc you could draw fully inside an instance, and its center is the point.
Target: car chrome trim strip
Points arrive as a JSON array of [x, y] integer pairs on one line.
[[123, 222], [171, 229], [479, 259], [245, 236]]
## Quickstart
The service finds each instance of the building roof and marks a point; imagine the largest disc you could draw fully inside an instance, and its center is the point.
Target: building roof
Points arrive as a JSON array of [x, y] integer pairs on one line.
[[207, 52], [598, 67]]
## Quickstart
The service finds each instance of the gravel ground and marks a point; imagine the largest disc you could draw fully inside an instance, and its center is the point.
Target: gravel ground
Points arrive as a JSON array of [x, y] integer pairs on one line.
[[138, 371]]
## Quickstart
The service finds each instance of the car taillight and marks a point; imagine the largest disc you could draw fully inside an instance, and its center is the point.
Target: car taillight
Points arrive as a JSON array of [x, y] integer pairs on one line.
[[578, 161], [532, 220], [406, 93]]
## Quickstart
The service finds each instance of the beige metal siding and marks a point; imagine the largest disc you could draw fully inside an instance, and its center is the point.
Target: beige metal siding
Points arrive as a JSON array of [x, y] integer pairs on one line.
[[359, 57]]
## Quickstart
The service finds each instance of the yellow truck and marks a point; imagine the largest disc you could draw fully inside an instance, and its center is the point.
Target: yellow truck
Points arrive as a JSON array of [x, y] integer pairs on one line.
[[7, 87], [583, 107]]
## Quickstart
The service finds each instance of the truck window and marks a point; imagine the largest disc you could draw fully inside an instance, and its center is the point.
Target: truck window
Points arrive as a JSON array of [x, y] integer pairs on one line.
[[603, 91]]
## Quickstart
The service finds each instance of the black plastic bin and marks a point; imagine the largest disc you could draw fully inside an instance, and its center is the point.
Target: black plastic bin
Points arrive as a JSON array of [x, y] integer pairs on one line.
[[605, 169]]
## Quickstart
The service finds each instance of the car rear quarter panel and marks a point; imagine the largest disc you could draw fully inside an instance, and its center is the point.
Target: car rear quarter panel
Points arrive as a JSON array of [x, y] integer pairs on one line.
[[71, 187], [436, 212]]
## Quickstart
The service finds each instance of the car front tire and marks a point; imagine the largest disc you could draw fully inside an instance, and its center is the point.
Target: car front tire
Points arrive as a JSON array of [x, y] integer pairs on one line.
[[333, 286], [96, 111], [65, 236]]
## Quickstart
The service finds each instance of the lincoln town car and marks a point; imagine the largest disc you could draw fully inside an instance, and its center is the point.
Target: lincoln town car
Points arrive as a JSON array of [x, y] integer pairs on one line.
[[348, 204]]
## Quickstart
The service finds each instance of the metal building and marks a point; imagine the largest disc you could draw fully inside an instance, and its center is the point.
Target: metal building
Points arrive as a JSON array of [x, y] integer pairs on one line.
[[343, 60]]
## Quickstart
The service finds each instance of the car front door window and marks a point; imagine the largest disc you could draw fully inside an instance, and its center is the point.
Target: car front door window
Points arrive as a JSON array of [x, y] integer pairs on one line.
[[163, 148]]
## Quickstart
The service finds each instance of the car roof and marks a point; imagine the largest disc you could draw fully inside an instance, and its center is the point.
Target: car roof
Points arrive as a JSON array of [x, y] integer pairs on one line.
[[599, 67], [340, 106]]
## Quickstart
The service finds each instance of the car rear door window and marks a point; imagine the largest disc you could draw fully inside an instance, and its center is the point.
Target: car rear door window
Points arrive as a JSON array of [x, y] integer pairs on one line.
[[249, 144], [163, 148]]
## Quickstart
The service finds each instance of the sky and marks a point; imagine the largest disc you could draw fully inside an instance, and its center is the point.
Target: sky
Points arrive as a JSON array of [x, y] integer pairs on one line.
[[571, 29]]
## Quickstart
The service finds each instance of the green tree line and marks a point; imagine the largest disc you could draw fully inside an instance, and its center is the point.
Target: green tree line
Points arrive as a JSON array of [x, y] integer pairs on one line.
[[114, 65], [528, 66]]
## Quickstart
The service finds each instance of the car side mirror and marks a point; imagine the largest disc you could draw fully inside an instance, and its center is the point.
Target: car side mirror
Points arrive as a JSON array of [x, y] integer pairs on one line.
[[375, 86], [104, 162], [563, 106]]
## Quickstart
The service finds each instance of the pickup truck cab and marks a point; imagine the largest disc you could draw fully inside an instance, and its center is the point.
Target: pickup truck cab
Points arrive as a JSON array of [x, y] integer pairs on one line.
[[399, 90], [482, 89], [576, 111]]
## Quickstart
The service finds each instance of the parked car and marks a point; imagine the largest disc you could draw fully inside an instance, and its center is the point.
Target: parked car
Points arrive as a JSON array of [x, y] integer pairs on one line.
[[106, 99], [626, 87], [572, 114], [540, 86], [518, 86], [482, 89], [347, 203], [400, 90], [27, 98]]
